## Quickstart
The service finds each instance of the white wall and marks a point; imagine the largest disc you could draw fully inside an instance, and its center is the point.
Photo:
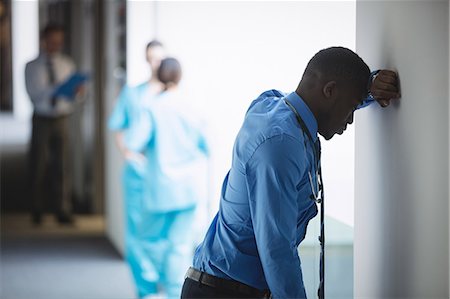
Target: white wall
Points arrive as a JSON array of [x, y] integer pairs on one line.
[[233, 51], [141, 29], [402, 154], [25, 47], [230, 53]]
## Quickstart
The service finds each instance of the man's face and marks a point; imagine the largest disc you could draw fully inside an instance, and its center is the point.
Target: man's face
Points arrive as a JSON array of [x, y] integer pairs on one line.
[[54, 42], [339, 115], [154, 56]]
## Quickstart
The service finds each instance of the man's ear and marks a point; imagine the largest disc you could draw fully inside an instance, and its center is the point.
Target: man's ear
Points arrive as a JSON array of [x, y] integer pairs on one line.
[[329, 89]]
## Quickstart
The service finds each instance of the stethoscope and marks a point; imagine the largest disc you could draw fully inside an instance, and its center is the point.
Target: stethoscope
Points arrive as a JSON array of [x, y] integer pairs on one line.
[[316, 187], [317, 195]]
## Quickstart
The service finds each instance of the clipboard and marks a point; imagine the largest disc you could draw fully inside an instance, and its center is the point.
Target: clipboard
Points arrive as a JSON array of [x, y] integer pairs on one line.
[[69, 87]]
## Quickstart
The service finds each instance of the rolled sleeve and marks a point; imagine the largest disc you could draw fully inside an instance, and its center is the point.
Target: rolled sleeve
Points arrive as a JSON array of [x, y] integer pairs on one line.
[[119, 117], [272, 175], [38, 88], [370, 99]]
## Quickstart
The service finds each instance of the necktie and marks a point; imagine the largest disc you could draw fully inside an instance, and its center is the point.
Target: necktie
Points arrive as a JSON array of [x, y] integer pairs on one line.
[[51, 78], [50, 71]]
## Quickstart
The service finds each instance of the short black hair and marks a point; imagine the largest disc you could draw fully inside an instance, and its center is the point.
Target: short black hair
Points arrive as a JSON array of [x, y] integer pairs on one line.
[[169, 71], [154, 43], [341, 65], [51, 28]]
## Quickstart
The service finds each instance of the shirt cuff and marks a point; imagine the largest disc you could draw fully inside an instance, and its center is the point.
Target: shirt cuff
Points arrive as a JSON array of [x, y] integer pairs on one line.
[[372, 77], [370, 99]]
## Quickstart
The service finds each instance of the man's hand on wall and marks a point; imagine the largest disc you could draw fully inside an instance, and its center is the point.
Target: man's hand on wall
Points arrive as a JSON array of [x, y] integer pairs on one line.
[[385, 87]]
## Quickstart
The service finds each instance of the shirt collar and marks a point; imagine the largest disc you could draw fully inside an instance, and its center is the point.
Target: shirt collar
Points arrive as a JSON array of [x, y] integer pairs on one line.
[[44, 56], [304, 112]]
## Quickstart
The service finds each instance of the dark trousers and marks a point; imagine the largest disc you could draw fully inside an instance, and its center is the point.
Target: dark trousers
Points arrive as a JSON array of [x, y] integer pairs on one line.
[[49, 154], [194, 289]]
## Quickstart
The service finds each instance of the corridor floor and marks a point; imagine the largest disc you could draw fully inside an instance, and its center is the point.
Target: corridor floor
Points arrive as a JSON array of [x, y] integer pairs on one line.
[[61, 262]]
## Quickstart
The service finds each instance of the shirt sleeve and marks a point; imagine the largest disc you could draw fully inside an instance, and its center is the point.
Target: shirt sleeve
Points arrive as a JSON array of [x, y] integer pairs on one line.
[[37, 87], [367, 101], [119, 119], [370, 99], [273, 173]]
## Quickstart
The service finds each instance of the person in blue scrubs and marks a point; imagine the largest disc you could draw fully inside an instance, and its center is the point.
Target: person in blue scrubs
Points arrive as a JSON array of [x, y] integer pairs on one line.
[[128, 113], [267, 198], [171, 138]]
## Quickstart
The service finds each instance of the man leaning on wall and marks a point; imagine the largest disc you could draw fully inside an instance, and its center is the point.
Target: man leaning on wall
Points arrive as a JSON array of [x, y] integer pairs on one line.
[[274, 184]]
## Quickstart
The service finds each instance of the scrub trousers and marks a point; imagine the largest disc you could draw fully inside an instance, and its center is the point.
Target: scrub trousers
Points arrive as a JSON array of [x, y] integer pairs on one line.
[[159, 245]]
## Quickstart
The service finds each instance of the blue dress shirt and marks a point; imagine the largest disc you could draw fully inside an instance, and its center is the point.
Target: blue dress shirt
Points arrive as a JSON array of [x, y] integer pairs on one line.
[[265, 203]]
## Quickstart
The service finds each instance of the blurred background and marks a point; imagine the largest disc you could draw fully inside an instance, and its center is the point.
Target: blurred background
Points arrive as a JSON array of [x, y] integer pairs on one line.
[[230, 52]]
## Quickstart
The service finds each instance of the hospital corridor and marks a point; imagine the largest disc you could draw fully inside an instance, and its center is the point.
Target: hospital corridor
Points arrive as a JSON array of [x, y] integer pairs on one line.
[[121, 128]]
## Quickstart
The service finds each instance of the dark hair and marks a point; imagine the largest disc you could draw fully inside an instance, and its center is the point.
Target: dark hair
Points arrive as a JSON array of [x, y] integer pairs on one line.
[[51, 28], [154, 43], [341, 65], [169, 71]]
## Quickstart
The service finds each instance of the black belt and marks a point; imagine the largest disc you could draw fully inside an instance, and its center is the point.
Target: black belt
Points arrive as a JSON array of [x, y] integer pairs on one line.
[[225, 284]]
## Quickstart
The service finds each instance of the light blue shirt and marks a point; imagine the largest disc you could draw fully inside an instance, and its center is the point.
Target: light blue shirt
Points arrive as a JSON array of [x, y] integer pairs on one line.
[[265, 203], [171, 137], [128, 111]]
